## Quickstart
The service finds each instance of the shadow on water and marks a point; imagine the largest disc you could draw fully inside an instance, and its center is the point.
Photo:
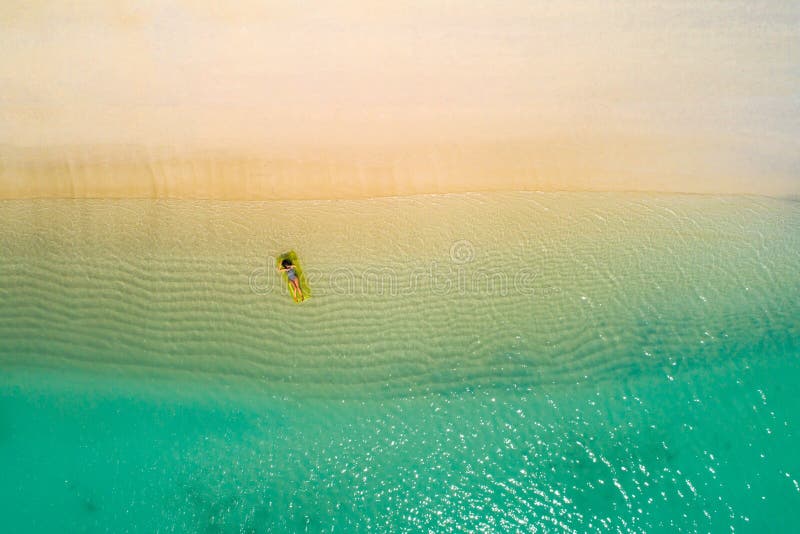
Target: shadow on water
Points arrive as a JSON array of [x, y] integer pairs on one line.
[[84, 498]]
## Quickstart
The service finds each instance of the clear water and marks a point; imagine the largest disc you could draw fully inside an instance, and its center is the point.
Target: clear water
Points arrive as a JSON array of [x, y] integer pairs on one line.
[[569, 362]]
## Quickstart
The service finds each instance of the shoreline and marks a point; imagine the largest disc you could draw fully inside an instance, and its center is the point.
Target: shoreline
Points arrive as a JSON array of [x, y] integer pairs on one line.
[[790, 197], [366, 172]]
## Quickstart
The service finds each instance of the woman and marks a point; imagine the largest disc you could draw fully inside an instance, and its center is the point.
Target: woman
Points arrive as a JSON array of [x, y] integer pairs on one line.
[[291, 273]]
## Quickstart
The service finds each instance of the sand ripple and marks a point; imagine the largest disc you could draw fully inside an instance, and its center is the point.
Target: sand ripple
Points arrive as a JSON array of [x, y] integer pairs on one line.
[[541, 289]]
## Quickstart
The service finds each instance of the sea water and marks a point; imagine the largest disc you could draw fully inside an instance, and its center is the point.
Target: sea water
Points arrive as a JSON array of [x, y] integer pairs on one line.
[[491, 363]]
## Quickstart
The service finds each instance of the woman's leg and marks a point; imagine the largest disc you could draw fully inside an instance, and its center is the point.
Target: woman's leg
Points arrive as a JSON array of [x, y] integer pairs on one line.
[[297, 289]]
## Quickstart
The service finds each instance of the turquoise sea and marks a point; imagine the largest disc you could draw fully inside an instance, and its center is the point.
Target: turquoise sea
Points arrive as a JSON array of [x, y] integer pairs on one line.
[[515, 362]]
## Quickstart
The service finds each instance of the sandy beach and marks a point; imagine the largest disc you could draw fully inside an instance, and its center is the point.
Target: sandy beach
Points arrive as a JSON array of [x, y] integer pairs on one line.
[[276, 101]]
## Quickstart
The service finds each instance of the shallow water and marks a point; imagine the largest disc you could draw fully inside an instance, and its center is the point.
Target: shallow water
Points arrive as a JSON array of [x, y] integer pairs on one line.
[[468, 362]]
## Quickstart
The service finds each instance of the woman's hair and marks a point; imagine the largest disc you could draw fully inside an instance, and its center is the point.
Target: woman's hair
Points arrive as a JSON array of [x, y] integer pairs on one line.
[[286, 263]]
